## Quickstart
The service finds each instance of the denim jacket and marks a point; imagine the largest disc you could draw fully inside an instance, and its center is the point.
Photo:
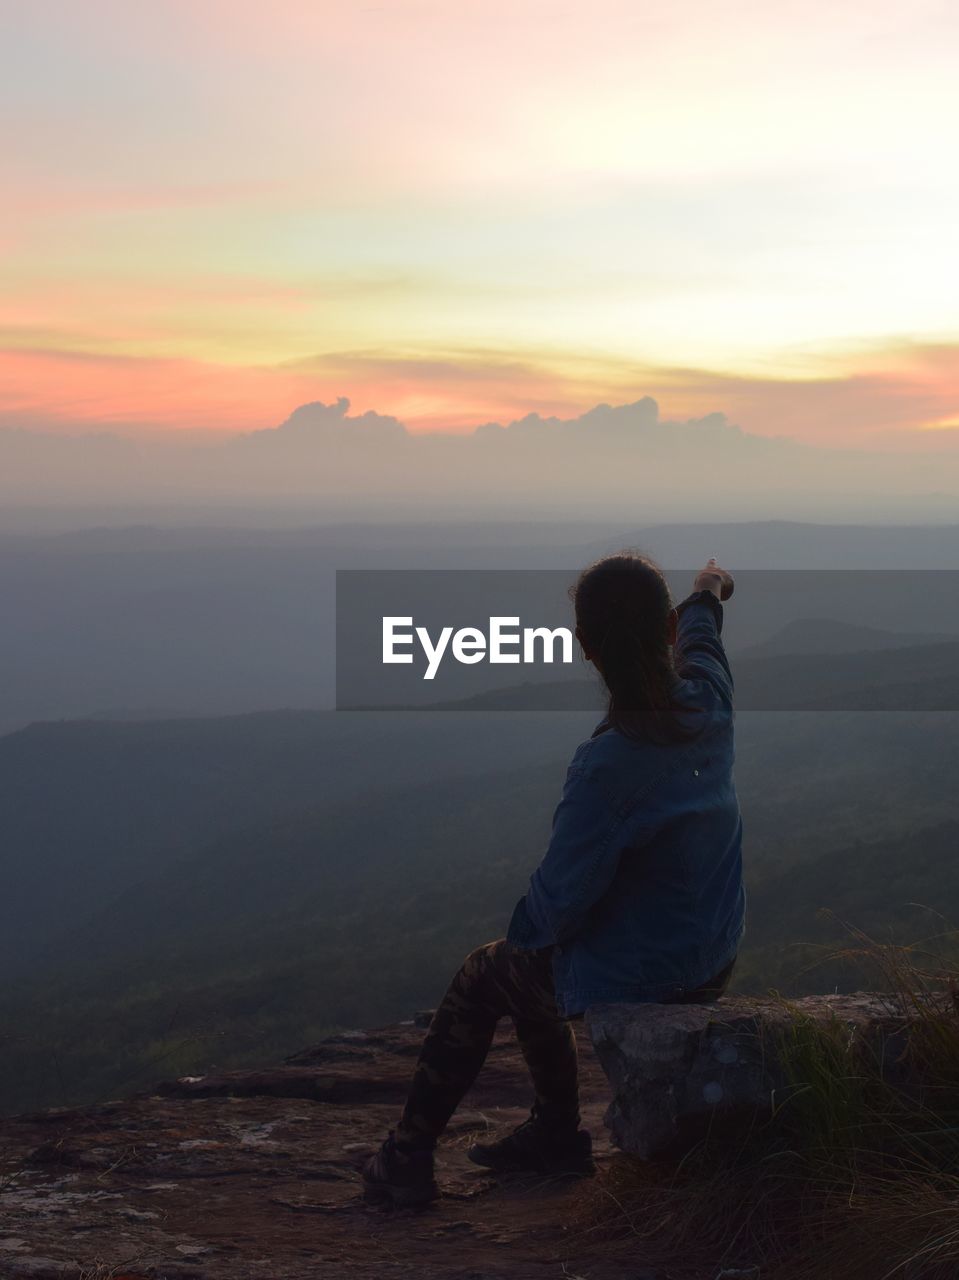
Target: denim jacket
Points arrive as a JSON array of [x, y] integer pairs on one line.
[[640, 893]]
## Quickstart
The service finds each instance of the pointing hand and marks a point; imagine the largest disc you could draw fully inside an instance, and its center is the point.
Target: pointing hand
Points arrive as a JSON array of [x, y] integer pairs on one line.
[[713, 578]]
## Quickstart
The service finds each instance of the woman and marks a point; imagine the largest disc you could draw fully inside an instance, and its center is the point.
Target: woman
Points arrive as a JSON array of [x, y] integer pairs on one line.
[[638, 897]]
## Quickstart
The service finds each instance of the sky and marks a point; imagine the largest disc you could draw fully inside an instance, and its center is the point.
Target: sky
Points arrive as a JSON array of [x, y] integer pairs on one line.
[[456, 213]]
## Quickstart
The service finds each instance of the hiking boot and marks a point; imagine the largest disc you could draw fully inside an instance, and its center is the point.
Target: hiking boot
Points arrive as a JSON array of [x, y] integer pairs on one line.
[[400, 1174], [536, 1147]]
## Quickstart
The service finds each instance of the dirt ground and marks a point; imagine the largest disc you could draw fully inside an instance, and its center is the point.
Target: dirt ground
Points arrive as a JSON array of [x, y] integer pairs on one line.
[[256, 1174]]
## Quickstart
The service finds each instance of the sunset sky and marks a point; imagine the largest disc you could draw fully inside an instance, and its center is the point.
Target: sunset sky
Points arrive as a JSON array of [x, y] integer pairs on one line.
[[467, 211]]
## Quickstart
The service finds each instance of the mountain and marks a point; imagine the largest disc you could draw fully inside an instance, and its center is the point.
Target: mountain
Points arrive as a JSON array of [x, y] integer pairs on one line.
[[903, 889], [918, 677], [222, 620], [806, 636], [358, 906], [791, 545], [90, 808]]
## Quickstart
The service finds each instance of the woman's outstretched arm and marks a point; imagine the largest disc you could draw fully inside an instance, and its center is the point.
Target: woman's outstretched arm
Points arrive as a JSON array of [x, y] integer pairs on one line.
[[699, 650]]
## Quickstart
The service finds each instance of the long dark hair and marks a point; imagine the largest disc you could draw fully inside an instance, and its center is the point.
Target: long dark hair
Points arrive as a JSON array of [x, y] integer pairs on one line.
[[622, 605]]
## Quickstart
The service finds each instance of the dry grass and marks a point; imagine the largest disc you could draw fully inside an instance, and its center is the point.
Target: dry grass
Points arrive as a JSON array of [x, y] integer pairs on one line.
[[854, 1177]]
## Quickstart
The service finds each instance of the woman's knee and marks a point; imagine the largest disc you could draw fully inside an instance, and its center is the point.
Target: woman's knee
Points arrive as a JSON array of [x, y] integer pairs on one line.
[[481, 959], [481, 971]]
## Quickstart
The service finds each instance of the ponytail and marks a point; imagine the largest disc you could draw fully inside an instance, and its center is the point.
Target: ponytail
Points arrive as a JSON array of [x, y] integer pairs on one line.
[[622, 606]]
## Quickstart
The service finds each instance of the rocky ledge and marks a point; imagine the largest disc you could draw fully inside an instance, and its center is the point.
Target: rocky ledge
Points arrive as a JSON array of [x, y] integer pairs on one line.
[[256, 1174], [679, 1072]]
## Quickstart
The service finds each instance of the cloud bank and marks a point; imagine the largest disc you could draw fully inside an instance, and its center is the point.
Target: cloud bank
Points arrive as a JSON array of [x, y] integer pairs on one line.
[[612, 460]]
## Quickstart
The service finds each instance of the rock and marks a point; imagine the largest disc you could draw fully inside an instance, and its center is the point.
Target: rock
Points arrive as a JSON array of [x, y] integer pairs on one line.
[[41, 1268], [423, 1017], [678, 1071], [255, 1175]]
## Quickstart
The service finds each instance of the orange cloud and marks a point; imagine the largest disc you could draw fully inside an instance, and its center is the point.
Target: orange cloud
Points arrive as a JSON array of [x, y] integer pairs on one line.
[[889, 398]]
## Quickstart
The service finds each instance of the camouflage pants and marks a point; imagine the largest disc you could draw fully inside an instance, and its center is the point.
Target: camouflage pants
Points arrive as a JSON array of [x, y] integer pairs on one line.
[[496, 982]]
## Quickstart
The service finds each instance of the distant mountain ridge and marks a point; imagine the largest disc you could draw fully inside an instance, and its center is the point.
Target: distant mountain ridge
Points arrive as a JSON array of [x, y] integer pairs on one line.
[[230, 620], [829, 635], [921, 676]]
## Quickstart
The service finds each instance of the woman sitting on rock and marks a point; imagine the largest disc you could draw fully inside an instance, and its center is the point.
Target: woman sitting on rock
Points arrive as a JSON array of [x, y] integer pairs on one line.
[[638, 897]]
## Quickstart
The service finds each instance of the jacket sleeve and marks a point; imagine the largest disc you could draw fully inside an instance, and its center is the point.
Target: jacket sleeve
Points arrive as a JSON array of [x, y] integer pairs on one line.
[[578, 867], [699, 650]]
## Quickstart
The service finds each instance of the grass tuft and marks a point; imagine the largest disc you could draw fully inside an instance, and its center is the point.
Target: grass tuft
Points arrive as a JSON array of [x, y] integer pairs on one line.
[[855, 1176]]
